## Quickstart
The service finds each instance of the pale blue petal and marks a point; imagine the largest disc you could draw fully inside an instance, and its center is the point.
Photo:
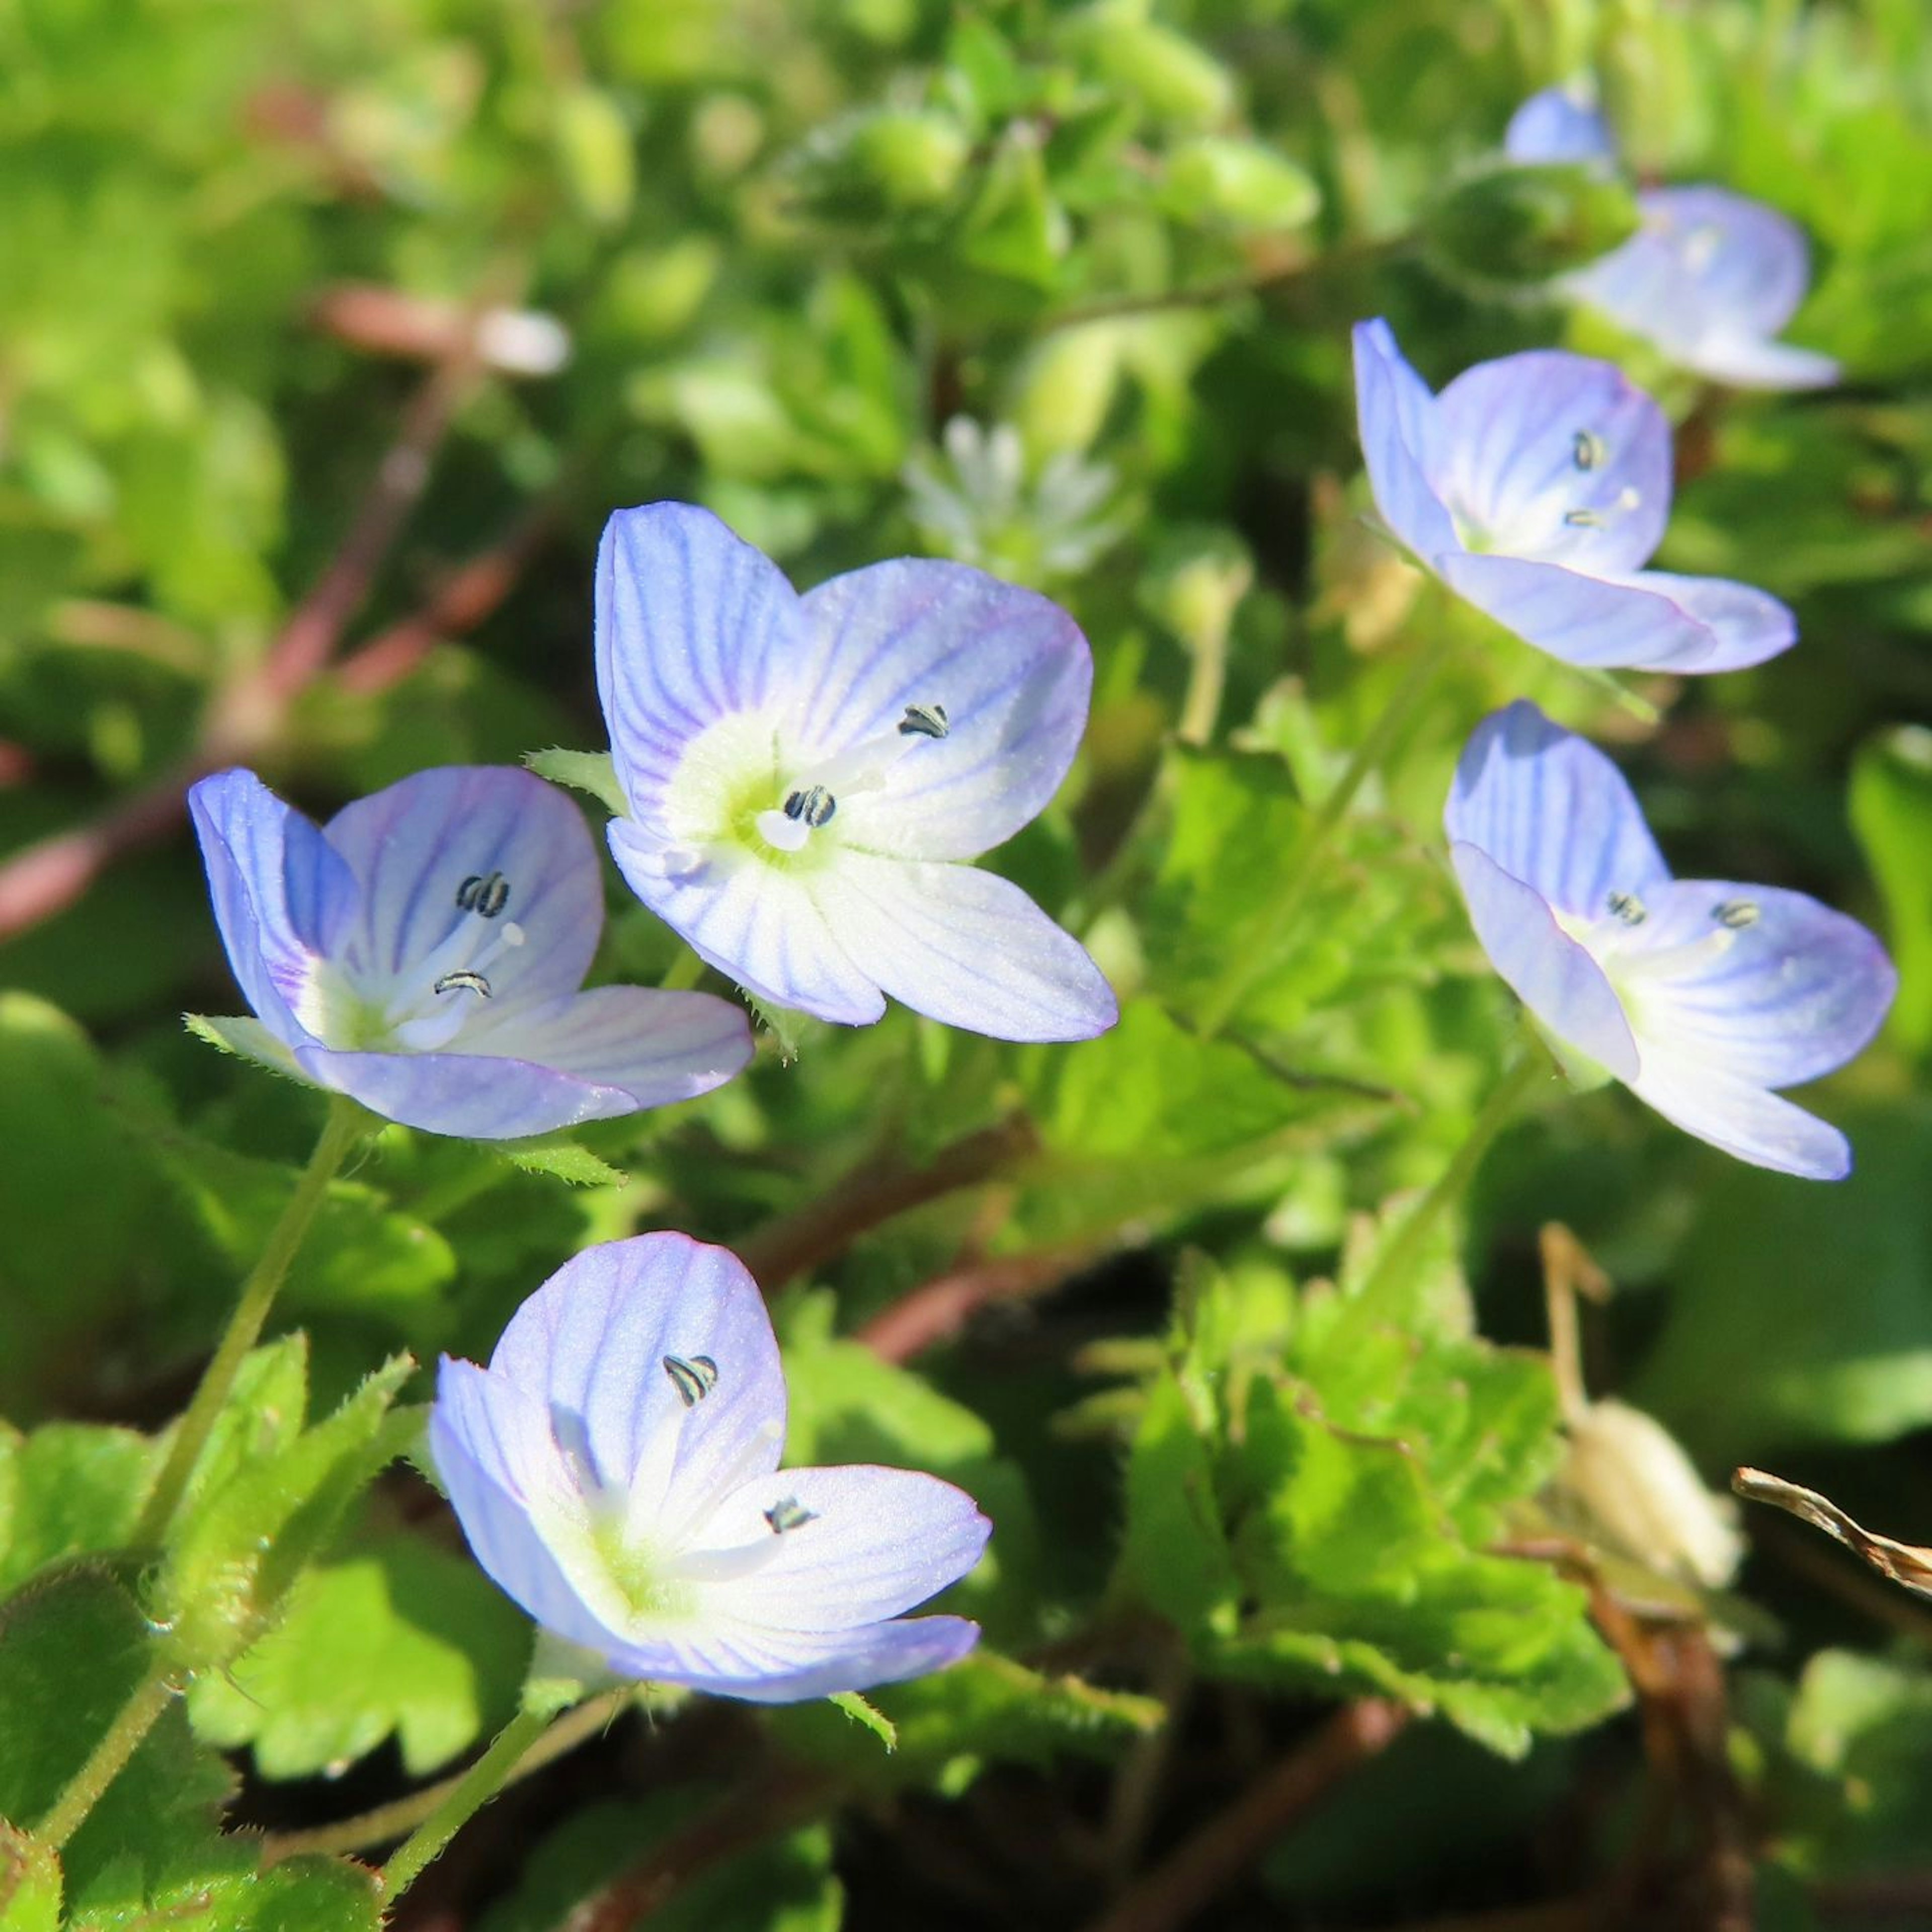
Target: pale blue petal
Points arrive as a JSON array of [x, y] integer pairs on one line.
[[413, 846], [476, 1096], [1554, 812], [1551, 975], [755, 921], [1710, 277], [1610, 624], [493, 1446], [592, 1343], [1561, 123], [878, 1541], [1395, 415], [1554, 457], [1746, 625], [657, 1047], [1010, 668], [1747, 362], [765, 1666], [282, 897], [1795, 993], [693, 625], [1744, 1120], [964, 946]]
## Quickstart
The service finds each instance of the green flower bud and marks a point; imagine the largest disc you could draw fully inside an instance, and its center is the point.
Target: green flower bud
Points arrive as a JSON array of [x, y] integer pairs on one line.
[[868, 167], [1213, 181], [1513, 225], [1175, 82]]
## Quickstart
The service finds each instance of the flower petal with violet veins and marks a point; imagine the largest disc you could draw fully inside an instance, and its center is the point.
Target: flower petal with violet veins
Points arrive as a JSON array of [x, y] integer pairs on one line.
[[1609, 624], [1709, 278], [755, 921], [1396, 419], [1555, 457], [476, 1096], [592, 1343], [693, 623], [965, 946], [1010, 667], [770, 1666], [282, 897], [1553, 976], [1747, 625], [413, 846], [1553, 812], [1561, 123], [1744, 1120], [877, 1541], [1797, 991], [658, 1047], [493, 1446]]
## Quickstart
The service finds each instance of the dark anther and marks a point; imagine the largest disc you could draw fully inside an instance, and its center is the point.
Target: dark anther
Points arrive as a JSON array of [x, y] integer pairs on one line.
[[815, 805], [464, 983], [924, 721], [789, 1514], [694, 1379]]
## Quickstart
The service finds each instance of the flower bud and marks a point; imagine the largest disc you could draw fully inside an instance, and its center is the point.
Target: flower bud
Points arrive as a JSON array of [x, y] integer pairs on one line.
[[882, 163], [1215, 181]]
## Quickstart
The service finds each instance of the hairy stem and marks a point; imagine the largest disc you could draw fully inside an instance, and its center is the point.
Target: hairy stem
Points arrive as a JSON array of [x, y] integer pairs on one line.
[[388, 1824], [343, 1128], [470, 1792], [1405, 1247], [1252, 960], [107, 1759]]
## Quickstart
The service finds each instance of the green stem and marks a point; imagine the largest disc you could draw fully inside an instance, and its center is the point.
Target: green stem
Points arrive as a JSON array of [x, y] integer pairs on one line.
[[1255, 960], [343, 1128], [472, 1790], [682, 974], [1405, 1246], [107, 1759]]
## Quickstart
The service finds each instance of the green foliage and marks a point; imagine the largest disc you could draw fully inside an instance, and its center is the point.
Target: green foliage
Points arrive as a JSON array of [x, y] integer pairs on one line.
[[1060, 290], [398, 1639], [1313, 1503]]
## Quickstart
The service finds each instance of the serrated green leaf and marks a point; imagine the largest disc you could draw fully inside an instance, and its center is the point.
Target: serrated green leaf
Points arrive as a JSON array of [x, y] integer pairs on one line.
[[400, 1639], [1176, 1554], [869, 1717], [71, 1653], [243, 1542], [66, 1490], [563, 1160], [226, 1892], [591, 771]]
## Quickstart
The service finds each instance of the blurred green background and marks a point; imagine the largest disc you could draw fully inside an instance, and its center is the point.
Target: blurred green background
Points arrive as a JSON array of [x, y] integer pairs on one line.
[[329, 335]]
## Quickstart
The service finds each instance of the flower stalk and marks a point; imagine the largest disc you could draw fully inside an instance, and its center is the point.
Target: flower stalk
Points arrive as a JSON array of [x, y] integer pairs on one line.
[[344, 1126]]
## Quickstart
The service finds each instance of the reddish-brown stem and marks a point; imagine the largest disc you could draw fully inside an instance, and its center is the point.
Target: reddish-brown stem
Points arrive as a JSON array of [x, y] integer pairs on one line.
[[796, 1243], [46, 878], [1199, 1871], [756, 1811], [938, 1311]]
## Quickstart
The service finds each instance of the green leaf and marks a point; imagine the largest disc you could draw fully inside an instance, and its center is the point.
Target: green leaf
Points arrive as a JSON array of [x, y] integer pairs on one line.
[[986, 1709], [71, 1655], [30, 1883], [1891, 812], [563, 1159], [246, 1541], [225, 1892], [868, 1716], [400, 1639], [79, 1194], [591, 771], [1176, 1554], [785, 1884], [68, 1490]]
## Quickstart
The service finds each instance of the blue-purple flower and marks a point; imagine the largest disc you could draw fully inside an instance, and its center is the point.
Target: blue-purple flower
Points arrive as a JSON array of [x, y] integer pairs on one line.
[[615, 1471], [1710, 276], [1537, 487], [424, 952], [806, 776], [1701, 995]]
